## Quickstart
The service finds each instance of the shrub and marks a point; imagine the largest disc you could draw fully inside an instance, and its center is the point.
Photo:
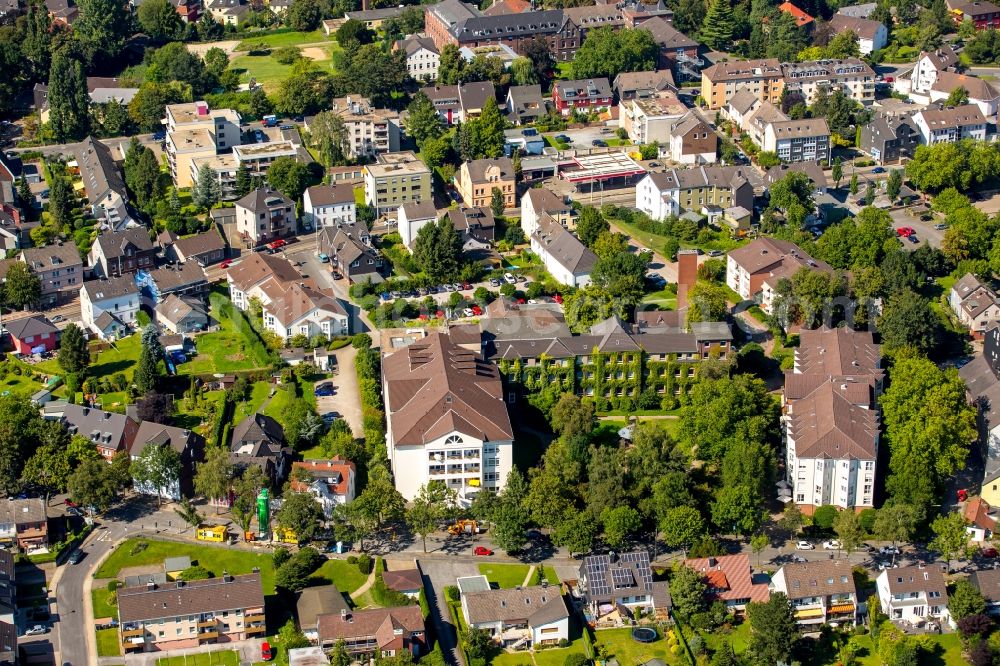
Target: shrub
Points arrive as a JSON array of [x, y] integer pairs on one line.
[[452, 593], [576, 659], [280, 556], [113, 585], [352, 559], [287, 55], [365, 563]]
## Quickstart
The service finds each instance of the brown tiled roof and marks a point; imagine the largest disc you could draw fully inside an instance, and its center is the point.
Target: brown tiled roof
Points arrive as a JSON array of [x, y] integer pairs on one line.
[[729, 577], [403, 580], [192, 246], [819, 578], [328, 195], [743, 69], [959, 116], [917, 578], [316, 601], [826, 424], [297, 301], [634, 81], [862, 27], [770, 253], [837, 351], [666, 35], [139, 604], [534, 605], [477, 169], [378, 623], [977, 512], [987, 581], [507, 7], [338, 469], [434, 387], [257, 268], [113, 243]]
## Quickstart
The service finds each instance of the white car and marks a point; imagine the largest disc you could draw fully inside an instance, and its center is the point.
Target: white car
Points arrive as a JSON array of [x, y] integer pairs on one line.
[[509, 278], [467, 312], [36, 630], [888, 550], [832, 544], [804, 545]]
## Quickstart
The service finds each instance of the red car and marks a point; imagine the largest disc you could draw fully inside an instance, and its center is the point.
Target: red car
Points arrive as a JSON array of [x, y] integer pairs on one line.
[[558, 299], [226, 264], [905, 231], [69, 502], [989, 552], [439, 314], [466, 286], [482, 550], [277, 244], [963, 495], [265, 651], [476, 310]]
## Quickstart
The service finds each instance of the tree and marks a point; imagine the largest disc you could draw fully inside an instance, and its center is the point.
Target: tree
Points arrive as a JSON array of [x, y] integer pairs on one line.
[[717, 29], [157, 469], [576, 533], [374, 73], [607, 52], [146, 371], [950, 535], [758, 543], [773, 630], [847, 525], [159, 20], [422, 121], [894, 184], [432, 504], [290, 638], [511, 518], [590, 225], [965, 601], [293, 575], [737, 509], [155, 407], [437, 250], [329, 135], [379, 502], [957, 97], [288, 176], [537, 51], [824, 516], [353, 33], [706, 302], [909, 321], [620, 523], [142, 174], [522, 72], [91, 484], [687, 591], [682, 526], [853, 188], [299, 513], [36, 42], [216, 61], [74, 354], [896, 522], [489, 127], [69, 102], [477, 642], [214, 477], [21, 287], [49, 466], [206, 192], [306, 89], [244, 180], [304, 15], [837, 173], [101, 29]]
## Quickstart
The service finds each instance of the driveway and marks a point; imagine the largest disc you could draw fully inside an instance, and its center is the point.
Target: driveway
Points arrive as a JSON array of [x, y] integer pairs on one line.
[[346, 400], [437, 575]]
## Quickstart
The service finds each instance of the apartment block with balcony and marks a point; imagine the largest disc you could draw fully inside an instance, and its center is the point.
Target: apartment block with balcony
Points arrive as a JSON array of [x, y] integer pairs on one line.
[[950, 124], [851, 76], [264, 216], [157, 617], [821, 592], [196, 132], [649, 119], [723, 80], [395, 179], [915, 594], [370, 131], [258, 157]]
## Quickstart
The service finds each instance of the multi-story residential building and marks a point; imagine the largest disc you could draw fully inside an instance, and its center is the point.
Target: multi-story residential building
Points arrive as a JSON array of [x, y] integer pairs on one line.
[[730, 580], [261, 277], [369, 130], [259, 440], [678, 52], [476, 226], [929, 64], [804, 140], [831, 419], [613, 581], [754, 270], [628, 14], [519, 618], [564, 256], [440, 18], [453, 22], [331, 482], [157, 617], [24, 523], [193, 132], [59, 270], [117, 253], [629, 85], [691, 141], [613, 364], [422, 57], [850, 76], [32, 335], [722, 80], [329, 206], [395, 179], [109, 432], [539, 200], [190, 448], [951, 124], [821, 592], [981, 92], [460, 103], [446, 418], [302, 310], [413, 217], [258, 157], [975, 304], [223, 169], [382, 632], [872, 35], [649, 119], [103, 184], [890, 138], [914, 594], [263, 216], [666, 193], [351, 253], [228, 12], [984, 15], [206, 248], [110, 308], [586, 96], [476, 180]]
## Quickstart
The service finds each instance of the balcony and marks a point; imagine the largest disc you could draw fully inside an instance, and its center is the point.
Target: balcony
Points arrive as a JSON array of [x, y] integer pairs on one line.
[[204, 624], [207, 635], [253, 616], [256, 630], [132, 633]]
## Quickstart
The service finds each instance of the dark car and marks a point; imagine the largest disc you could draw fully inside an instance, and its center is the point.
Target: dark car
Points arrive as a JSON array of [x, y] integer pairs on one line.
[[562, 138], [599, 143], [76, 557], [324, 389], [878, 170], [159, 136]]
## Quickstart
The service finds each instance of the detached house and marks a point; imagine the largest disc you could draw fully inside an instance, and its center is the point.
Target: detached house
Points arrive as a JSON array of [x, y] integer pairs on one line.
[[329, 205], [350, 251], [422, 57], [872, 35], [538, 200], [263, 216], [59, 269], [412, 217], [331, 482], [525, 104], [987, 581], [260, 440], [929, 64], [564, 255], [821, 592], [914, 594], [975, 304], [585, 96], [890, 138], [477, 179], [754, 270], [519, 618], [33, 335], [188, 445], [460, 103], [206, 248], [109, 308], [384, 632], [302, 310], [615, 583], [260, 276], [24, 523], [118, 253], [730, 580]]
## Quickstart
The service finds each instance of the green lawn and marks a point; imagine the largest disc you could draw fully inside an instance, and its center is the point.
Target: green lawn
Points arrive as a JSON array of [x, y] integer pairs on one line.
[[347, 577], [629, 652], [215, 559], [284, 39], [655, 241], [618, 142], [546, 657], [283, 399], [19, 384], [665, 299], [564, 70], [505, 575], [550, 575], [739, 638], [122, 357], [222, 351], [226, 658], [108, 644], [270, 73], [258, 394], [359, 194], [102, 605]]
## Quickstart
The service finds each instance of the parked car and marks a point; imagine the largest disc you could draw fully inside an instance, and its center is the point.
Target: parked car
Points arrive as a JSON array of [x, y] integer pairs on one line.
[[476, 310], [798, 558], [878, 169], [599, 143], [265, 651], [324, 389], [509, 278], [905, 231], [73, 511], [69, 502], [989, 552], [655, 165], [57, 319], [888, 550], [938, 227], [482, 550], [831, 544], [324, 257], [804, 545], [36, 630], [467, 312], [716, 253], [226, 263], [913, 239], [562, 138], [494, 282]]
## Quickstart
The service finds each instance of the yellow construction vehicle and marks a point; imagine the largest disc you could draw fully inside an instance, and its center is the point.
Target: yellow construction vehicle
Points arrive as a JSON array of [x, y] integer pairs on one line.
[[215, 533], [464, 527]]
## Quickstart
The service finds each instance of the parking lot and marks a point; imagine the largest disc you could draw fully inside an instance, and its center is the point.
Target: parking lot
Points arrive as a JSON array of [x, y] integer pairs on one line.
[[345, 403], [925, 231]]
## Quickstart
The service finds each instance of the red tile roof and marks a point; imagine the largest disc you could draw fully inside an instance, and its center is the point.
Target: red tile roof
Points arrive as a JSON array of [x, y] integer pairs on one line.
[[977, 512], [801, 18], [729, 577]]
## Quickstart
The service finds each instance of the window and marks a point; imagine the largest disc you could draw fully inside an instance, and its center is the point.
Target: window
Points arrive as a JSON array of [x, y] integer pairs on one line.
[[454, 439]]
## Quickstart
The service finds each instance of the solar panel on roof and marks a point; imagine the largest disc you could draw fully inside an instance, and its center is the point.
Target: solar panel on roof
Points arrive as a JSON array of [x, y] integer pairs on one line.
[[622, 578]]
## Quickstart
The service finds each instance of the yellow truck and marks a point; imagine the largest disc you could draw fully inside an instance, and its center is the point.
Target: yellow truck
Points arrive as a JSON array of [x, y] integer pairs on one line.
[[215, 533]]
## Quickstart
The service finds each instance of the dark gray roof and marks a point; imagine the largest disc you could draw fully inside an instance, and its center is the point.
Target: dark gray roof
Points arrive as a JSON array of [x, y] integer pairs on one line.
[[113, 244], [98, 170], [99, 290], [28, 326], [105, 428], [608, 578], [508, 26], [262, 432], [178, 439], [563, 246], [261, 199], [138, 604]]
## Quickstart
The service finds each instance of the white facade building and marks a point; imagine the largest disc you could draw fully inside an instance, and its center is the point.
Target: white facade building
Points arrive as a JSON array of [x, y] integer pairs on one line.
[[301, 310], [565, 257], [412, 217], [914, 594], [950, 125], [109, 307], [928, 65], [329, 206], [519, 617]]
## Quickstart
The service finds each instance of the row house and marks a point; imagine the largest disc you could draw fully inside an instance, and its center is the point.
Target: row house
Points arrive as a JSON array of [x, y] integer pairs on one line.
[[831, 420], [950, 124], [851, 76], [110, 308], [59, 270], [263, 216], [821, 592], [24, 524], [975, 305], [982, 381], [476, 180], [629, 85], [205, 249], [158, 617], [622, 583], [691, 141], [705, 189], [460, 103], [117, 253], [983, 15], [109, 432], [369, 130], [395, 179], [585, 96], [754, 270], [914, 594]]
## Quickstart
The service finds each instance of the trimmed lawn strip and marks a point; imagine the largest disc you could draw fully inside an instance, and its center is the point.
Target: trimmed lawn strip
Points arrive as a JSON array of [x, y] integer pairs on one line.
[[258, 394], [215, 559], [629, 652], [284, 39], [107, 643], [102, 604], [549, 573], [505, 575], [226, 658], [346, 576]]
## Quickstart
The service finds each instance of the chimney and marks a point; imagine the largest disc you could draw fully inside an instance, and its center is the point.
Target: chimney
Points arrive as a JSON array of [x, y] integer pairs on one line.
[[687, 275], [712, 561], [150, 586]]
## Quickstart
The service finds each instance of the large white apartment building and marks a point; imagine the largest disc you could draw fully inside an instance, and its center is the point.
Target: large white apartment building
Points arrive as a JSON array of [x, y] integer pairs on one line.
[[196, 132], [831, 419], [851, 76], [370, 131], [446, 418]]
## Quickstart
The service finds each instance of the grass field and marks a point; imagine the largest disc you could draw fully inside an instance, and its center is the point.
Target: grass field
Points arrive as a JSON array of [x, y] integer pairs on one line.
[[226, 658], [102, 605], [222, 351], [505, 575], [284, 39], [347, 577], [655, 241], [628, 652], [546, 657], [665, 299], [107, 643], [257, 396], [215, 559], [19, 384], [270, 73], [550, 575]]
